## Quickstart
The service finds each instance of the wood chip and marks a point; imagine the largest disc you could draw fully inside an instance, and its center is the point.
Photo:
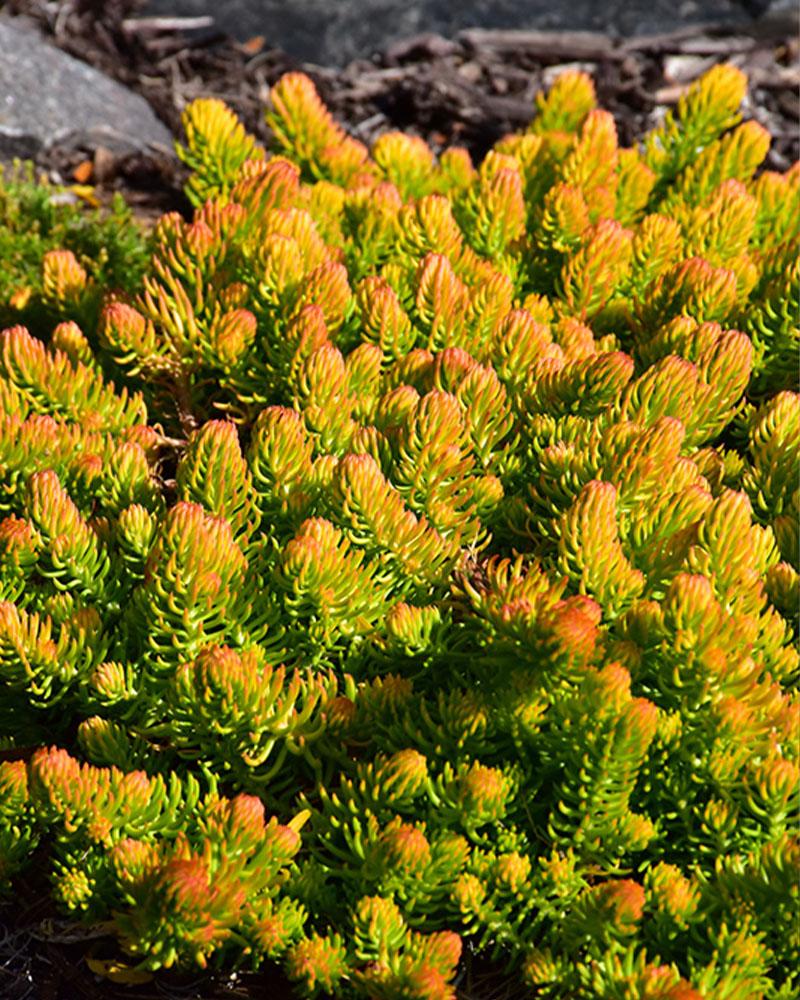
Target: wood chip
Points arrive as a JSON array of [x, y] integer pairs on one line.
[[105, 165], [427, 45], [253, 45], [83, 172], [547, 44], [670, 95], [137, 25], [684, 68]]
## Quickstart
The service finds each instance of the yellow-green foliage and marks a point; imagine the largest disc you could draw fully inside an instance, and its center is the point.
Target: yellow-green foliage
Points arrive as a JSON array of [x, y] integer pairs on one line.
[[450, 512]]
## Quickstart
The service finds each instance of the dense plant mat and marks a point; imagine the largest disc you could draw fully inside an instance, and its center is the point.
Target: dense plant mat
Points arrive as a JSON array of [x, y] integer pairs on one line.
[[402, 555]]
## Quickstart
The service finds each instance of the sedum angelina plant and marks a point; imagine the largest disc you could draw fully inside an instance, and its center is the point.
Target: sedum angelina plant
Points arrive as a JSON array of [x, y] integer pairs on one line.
[[406, 560]]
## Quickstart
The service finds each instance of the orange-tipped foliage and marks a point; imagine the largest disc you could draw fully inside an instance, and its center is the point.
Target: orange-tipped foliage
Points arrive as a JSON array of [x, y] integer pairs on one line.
[[445, 513]]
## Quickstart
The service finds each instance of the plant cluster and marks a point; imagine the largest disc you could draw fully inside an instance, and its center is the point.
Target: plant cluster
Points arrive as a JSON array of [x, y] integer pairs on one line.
[[37, 217], [407, 559]]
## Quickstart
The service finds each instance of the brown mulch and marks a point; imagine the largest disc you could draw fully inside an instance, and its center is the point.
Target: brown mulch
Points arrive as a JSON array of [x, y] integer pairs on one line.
[[468, 91]]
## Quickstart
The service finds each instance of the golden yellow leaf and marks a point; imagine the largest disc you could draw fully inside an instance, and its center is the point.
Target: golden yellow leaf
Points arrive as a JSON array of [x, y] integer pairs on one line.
[[86, 193], [117, 972], [299, 820]]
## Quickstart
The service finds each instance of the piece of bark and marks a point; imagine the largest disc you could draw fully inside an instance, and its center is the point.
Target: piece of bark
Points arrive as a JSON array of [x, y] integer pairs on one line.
[[546, 44]]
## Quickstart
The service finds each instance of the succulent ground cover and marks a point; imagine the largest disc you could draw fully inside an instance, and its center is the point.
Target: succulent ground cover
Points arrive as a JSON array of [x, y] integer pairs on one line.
[[400, 556]]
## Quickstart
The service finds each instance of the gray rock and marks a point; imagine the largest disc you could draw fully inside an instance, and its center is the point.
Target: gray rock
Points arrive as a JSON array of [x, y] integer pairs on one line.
[[46, 96], [336, 31]]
